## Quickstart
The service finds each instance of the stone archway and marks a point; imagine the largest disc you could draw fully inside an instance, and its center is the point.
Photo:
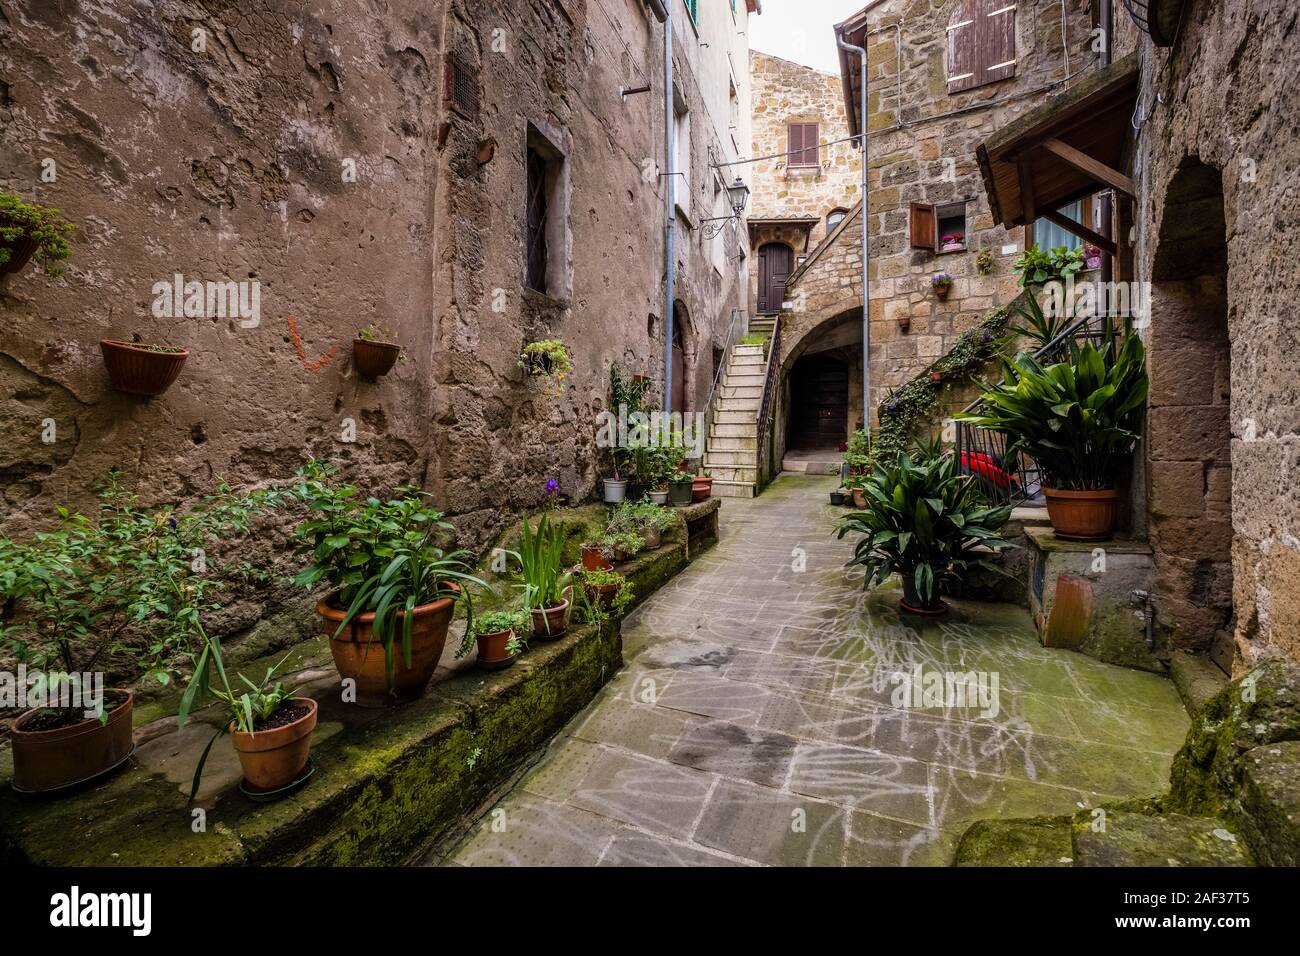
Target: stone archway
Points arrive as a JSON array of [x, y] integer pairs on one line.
[[834, 335], [1189, 457]]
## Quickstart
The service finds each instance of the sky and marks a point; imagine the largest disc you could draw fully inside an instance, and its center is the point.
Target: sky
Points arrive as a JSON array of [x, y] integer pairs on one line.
[[800, 30]]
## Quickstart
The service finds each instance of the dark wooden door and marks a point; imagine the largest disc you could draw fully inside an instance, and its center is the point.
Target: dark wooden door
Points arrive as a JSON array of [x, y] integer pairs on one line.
[[678, 403], [775, 261]]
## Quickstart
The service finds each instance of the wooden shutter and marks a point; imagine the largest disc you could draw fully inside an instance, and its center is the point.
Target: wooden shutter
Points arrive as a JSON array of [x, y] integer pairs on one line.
[[802, 144], [922, 226], [981, 43]]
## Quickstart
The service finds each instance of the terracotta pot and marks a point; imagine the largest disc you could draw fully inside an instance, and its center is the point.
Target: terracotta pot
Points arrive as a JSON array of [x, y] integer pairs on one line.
[[701, 488], [1082, 515], [360, 657], [911, 600], [374, 359], [604, 593], [941, 291], [615, 490], [275, 758], [859, 498], [659, 497], [20, 251], [653, 537], [680, 492], [936, 376], [593, 559], [137, 370], [550, 623], [47, 760], [492, 652]]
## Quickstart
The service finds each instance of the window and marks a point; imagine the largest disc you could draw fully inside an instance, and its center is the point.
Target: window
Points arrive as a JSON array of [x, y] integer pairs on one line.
[[682, 152], [803, 144], [1048, 235], [547, 252], [938, 228], [459, 87], [834, 218], [981, 43]]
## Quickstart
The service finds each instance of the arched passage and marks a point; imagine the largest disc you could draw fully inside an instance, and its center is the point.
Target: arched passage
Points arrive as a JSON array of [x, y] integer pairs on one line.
[[820, 400], [1189, 415]]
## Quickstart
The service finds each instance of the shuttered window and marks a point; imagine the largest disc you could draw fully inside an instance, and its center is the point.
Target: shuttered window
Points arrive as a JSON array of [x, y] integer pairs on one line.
[[981, 43], [803, 139], [922, 225]]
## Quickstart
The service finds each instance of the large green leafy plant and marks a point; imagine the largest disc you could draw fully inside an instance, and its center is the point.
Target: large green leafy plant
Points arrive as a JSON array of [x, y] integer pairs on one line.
[[541, 564], [1078, 419], [1040, 266], [379, 557], [925, 521], [44, 227]]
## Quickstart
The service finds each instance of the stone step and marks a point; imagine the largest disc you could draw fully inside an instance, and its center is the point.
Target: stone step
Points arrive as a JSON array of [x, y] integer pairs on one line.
[[724, 457], [742, 391], [747, 443], [748, 360], [740, 410], [746, 429], [731, 472], [732, 489], [743, 380], [807, 466], [1030, 514], [739, 350]]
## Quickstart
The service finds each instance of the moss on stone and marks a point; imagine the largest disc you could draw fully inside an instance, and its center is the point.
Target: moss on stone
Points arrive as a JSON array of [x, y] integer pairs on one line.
[[1040, 841], [1170, 839]]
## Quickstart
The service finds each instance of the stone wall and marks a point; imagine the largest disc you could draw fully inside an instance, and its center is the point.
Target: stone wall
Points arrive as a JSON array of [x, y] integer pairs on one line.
[[199, 139], [1216, 163], [922, 144]]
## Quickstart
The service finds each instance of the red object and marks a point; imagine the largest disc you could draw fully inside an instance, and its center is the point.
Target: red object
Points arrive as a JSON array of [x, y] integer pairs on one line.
[[982, 464]]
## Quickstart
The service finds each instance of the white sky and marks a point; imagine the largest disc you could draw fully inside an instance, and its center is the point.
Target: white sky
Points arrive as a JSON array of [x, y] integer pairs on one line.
[[800, 30]]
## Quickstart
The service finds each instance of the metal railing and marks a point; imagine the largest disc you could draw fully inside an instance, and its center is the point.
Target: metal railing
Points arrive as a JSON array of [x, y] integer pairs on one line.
[[735, 330], [983, 453], [764, 458]]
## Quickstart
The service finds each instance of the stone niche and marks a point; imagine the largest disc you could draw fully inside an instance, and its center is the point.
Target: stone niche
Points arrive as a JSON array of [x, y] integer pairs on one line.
[[1090, 596]]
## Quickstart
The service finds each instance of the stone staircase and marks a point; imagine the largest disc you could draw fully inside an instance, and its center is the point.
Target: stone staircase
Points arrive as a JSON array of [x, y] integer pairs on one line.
[[731, 454]]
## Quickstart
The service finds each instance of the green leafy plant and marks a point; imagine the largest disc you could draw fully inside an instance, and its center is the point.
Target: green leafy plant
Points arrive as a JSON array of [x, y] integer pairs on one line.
[[32, 221], [1038, 326], [857, 451], [925, 521], [1038, 266], [984, 261], [494, 622], [547, 357], [1078, 419], [383, 334], [590, 608], [640, 516], [541, 564], [379, 557], [754, 339]]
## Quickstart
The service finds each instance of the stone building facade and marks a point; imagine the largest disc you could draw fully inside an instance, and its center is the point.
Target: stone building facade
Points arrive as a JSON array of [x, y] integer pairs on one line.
[[1215, 233], [923, 132], [365, 166], [796, 198]]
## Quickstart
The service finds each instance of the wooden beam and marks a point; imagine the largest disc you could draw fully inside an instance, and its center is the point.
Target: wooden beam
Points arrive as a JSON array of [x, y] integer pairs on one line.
[[1090, 167], [1083, 232], [1028, 209]]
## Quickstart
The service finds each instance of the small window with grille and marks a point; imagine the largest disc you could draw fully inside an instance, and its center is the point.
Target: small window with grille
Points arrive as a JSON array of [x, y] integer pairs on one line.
[[460, 87], [546, 217]]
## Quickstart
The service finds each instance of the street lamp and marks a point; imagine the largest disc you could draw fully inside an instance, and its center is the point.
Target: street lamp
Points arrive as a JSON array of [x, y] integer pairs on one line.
[[738, 196]]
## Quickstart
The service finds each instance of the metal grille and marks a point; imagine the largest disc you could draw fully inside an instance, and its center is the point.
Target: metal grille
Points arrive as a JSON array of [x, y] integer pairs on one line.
[[535, 276], [1015, 479], [460, 87]]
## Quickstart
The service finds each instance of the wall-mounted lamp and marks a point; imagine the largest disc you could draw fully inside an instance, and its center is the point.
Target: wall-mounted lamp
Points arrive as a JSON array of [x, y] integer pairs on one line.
[[738, 194]]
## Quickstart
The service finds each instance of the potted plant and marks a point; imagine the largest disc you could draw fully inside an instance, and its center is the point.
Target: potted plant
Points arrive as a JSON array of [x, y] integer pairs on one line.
[[30, 230], [837, 497], [393, 590], [608, 589], [374, 353], [269, 728], [120, 583], [638, 524], [1079, 419], [616, 487], [623, 543], [984, 261], [1092, 256], [925, 521], [658, 494], [141, 369], [681, 489], [497, 635], [954, 242], [547, 359], [545, 581], [702, 487], [594, 557], [1038, 266], [941, 283]]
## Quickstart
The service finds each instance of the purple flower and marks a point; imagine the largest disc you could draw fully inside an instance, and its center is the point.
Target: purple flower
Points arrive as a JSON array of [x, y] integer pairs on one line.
[[552, 486], [172, 522], [890, 408]]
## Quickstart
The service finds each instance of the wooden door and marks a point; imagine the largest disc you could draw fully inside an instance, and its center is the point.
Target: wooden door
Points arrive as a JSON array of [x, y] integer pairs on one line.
[[775, 261]]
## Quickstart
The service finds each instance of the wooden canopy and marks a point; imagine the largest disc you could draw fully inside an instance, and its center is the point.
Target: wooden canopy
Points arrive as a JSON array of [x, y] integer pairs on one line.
[[1072, 146]]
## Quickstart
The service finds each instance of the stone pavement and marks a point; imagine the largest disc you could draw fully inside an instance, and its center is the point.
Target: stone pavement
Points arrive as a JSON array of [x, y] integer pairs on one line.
[[755, 723]]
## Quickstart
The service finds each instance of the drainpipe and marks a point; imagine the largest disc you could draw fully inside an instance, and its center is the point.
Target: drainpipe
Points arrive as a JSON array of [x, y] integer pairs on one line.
[[670, 211], [866, 253]]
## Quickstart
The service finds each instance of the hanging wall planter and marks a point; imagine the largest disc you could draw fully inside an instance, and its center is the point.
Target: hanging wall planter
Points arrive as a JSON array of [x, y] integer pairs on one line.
[[142, 369], [372, 353], [29, 229], [941, 283]]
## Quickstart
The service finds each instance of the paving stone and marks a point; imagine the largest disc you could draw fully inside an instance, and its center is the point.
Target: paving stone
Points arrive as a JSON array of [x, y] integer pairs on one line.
[[643, 728], [880, 841], [734, 751], [961, 797], [767, 826], [630, 848], [883, 784], [731, 700], [650, 794], [532, 831]]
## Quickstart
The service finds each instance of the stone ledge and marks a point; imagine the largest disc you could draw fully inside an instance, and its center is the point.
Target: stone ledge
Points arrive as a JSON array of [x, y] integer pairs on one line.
[[1044, 539], [1197, 680]]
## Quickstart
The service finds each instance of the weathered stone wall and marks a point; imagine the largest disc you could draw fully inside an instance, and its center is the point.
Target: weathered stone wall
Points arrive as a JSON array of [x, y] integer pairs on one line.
[[922, 144], [233, 162], [1215, 117]]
